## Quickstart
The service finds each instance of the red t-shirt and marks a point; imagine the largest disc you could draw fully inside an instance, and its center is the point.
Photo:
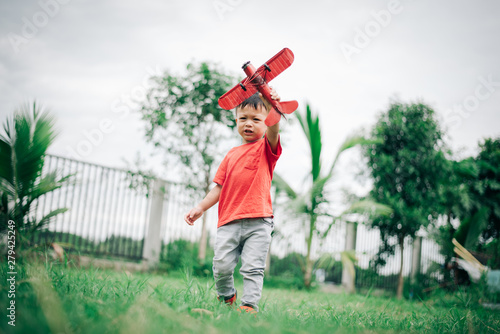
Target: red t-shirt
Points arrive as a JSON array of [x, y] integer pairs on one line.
[[245, 176]]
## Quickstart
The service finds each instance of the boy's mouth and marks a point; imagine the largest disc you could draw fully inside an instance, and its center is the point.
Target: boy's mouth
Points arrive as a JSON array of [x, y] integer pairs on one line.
[[248, 131]]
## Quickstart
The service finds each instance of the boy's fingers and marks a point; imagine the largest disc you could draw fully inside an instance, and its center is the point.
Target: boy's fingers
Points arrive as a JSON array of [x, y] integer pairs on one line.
[[188, 219], [274, 95]]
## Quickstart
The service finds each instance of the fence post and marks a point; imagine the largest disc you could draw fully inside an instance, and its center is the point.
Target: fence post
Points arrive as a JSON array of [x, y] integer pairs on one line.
[[348, 281], [416, 258], [152, 243]]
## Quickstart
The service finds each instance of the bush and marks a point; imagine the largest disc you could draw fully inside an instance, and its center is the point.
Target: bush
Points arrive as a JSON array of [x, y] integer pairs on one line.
[[334, 272], [288, 266], [286, 272], [370, 278], [284, 282], [182, 254]]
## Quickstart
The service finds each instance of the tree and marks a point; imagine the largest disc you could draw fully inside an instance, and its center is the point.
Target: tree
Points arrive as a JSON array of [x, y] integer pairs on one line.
[[313, 203], [184, 121], [456, 202], [471, 196], [406, 163], [23, 147], [480, 227]]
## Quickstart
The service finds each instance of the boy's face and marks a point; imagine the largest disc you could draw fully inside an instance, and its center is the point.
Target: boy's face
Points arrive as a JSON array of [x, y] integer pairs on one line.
[[250, 123]]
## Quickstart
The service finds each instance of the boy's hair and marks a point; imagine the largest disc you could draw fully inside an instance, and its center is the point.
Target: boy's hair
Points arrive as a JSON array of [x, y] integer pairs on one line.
[[253, 101]]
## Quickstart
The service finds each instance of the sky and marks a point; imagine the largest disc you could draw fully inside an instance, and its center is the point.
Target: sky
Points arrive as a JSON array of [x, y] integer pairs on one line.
[[88, 61]]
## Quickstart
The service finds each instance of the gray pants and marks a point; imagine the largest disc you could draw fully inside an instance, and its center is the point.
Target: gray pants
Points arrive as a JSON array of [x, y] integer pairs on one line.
[[250, 240]]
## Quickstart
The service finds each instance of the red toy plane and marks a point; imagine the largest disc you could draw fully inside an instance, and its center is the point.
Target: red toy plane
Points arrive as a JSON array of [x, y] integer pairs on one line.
[[257, 80]]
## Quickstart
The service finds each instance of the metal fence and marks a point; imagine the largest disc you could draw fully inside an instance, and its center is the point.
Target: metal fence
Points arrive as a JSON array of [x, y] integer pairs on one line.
[[105, 215], [292, 236], [109, 217]]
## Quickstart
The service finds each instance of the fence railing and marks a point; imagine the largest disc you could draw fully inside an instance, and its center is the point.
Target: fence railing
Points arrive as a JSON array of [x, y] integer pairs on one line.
[[105, 216], [109, 217]]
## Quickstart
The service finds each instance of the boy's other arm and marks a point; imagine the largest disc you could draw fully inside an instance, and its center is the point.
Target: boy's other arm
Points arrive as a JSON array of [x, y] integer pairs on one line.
[[209, 201]]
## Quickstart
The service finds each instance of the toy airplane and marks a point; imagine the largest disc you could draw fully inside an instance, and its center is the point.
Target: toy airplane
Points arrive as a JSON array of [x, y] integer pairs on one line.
[[257, 80]]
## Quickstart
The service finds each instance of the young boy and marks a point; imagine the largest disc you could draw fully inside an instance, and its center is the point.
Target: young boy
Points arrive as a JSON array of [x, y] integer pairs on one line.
[[243, 184]]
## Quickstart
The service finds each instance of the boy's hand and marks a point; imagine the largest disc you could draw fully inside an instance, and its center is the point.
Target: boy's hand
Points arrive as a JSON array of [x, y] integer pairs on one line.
[[274, 96], [209, 201], [193, 215]]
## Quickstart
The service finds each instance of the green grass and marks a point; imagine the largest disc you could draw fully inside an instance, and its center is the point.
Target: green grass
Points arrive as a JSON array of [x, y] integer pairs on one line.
[[53, 298]]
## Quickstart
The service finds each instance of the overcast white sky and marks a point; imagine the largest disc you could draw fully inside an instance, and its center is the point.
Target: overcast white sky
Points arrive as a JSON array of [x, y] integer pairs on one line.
[[82, 59]]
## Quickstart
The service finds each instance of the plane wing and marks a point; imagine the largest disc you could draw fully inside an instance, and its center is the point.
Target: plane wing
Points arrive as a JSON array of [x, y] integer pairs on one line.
[[236, 95], [277, 64]]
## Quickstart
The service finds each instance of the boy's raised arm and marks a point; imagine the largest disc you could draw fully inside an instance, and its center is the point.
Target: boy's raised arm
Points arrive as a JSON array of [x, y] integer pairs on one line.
[[209, 201], [272, 132]]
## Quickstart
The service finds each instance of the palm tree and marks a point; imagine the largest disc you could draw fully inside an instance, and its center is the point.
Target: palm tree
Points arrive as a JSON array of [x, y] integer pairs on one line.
[[312, 203], [23, 147]]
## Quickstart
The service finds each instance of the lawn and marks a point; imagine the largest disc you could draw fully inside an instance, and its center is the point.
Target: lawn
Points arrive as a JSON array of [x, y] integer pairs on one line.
[[53, 298]]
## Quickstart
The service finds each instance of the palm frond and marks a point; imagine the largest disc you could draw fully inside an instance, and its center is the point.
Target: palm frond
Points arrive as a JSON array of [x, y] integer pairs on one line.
[[326, 261], [282, 186], [301, 262], [478, 222], [7, 188], [48, 183], [46, 219], [351, 142], [33, 136], [349, 259], [6, 168], [368, 207], [311, 128], [466, 168], [317, 189], [300, 204]]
